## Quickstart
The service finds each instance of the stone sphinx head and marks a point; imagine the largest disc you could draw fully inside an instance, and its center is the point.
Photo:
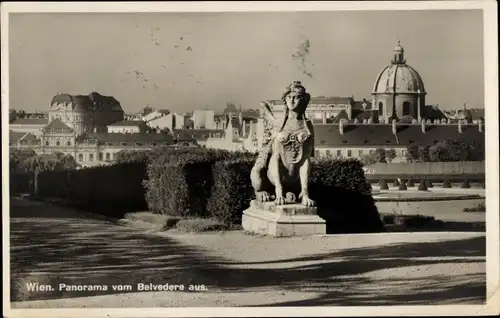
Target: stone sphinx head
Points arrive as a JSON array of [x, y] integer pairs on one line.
[[296, 98]]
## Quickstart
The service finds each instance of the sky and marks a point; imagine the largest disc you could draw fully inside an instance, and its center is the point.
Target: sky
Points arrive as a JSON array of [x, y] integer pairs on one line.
[[188, 61]]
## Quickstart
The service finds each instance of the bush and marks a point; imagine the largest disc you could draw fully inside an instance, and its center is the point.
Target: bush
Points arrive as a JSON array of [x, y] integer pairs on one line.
[[422, 186], [402, 186], [479, 207], [383, 185], [200, 225], [340, 189], [108, 190], [411, 183], [344, 197], [465, 184], [446, 184], [232, 190], [180, 182]]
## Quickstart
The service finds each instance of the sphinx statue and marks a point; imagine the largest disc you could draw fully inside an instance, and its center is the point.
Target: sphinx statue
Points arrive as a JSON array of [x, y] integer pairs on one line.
[[284, 159]]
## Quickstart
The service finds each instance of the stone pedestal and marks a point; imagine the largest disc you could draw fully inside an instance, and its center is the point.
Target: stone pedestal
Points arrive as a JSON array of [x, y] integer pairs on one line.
[[282, 220]]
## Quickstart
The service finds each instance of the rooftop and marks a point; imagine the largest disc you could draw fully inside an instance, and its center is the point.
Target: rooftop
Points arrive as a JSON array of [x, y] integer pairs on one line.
[[30, 121], [57, 124], [127, 123], [328, 135], [118, 138]]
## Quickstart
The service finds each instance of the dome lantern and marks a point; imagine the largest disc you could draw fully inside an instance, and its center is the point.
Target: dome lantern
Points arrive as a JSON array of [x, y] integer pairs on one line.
[[399, 54]]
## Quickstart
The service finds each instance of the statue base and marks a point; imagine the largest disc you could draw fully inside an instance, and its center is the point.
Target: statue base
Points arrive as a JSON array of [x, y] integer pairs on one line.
[[267, 218]]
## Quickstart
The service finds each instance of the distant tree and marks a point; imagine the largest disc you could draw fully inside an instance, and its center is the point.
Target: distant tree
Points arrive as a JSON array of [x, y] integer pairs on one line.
[[230, 108], [46, 162], [125, 156], [412, 153], [423, 153], [380, 155], [439, 152], [12, 115], [460, 150], [146, 110], [369, 159], [451, 150], [17, 156], [390, 154]]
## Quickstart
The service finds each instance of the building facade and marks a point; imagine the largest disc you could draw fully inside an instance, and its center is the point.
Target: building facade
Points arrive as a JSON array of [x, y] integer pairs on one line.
[[85, 113], [29, 125], [171, 122], [127, 127]]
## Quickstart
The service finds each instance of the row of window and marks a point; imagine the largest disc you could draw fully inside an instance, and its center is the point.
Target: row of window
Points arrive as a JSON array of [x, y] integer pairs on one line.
[[58, 143], [68, 143], [101, 156], [361, 153]]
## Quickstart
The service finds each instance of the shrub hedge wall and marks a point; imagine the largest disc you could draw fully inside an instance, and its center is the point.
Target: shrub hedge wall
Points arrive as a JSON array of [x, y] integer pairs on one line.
[[210, 184], [112, 190], [180, 183]]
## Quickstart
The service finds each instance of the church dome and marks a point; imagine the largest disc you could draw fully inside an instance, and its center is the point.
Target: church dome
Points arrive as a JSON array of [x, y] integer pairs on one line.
[[398, 77]]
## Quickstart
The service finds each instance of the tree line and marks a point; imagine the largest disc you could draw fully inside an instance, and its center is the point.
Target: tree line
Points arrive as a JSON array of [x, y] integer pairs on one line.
[[441, 151]]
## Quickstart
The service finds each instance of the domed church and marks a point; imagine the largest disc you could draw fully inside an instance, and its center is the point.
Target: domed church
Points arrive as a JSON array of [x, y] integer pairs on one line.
[[399, 92]]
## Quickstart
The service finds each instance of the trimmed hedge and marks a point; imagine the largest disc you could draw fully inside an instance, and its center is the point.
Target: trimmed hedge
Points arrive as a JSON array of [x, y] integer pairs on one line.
[[232, 190], [422, 186], [185, 188], [410, 183], [212, 184], [180, 182], [465, 184], [340, 189], [447, 184], [344, 197], [402, 186], [110, 190], [21, 183], [383, 185]]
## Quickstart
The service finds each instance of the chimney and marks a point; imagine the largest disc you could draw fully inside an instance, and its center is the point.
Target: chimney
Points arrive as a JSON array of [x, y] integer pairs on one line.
[[324, 118], [460, 126], [349, 112], [394, 131], [423, 126], [341, 126]]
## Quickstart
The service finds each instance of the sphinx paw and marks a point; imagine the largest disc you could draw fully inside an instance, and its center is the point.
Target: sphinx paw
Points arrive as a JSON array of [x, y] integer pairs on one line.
[[280, 200], [262, 196], [307, 201]]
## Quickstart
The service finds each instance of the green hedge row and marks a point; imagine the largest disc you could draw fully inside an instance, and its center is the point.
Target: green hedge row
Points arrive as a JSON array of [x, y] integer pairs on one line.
[[180, 183], [112, 190], [218, 185], [210, 183]]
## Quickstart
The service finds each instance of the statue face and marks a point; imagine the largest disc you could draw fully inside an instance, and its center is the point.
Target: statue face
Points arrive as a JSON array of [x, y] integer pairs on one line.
[[295, 100]]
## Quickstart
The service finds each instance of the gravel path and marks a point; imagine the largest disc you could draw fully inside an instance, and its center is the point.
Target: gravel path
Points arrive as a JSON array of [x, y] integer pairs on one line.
[[52, 245]]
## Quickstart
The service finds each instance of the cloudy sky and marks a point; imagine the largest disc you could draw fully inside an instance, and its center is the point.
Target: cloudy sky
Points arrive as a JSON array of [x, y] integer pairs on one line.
[[187, 61]]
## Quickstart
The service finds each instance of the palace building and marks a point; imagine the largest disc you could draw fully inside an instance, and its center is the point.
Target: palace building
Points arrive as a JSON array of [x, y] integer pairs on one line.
[[396, 117]]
